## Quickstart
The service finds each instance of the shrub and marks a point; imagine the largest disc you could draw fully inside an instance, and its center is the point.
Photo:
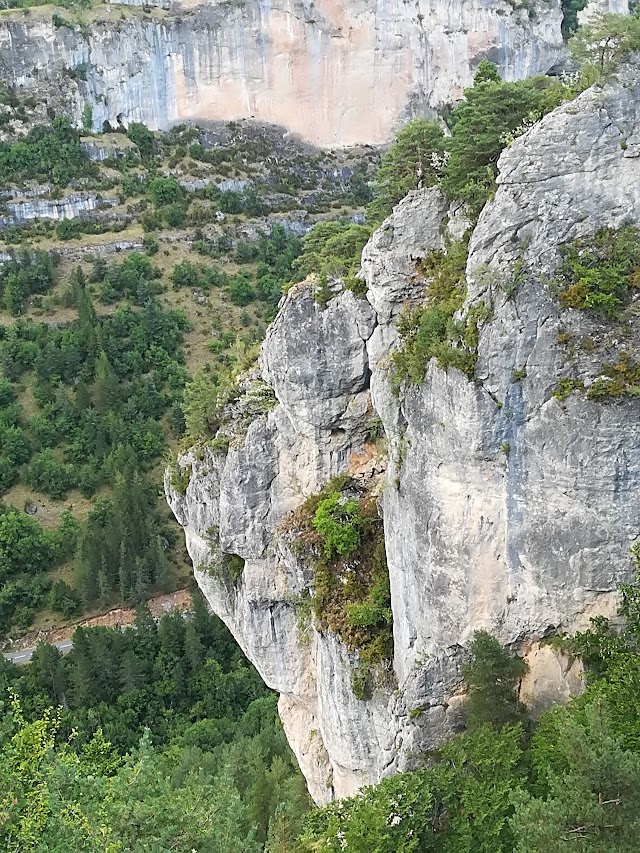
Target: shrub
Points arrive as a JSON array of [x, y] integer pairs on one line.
[[240, 289], [332, 249], [185, 274], [598, 272], [341, 534], [480, 127], [337, 520], [165, 191], [414, 160], [431, 330], [141, 136], [606, 40], [46, 473]]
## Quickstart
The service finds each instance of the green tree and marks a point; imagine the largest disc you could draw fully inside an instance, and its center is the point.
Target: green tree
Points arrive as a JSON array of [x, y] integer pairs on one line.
[[492, 675], [240, 289], [185, 274], [461, 805], [46, 473], [164, 191], [201, 406], [87, 117], [24, 545], [141, 136], [332, 248], [14, 294], [53, 799], [570, 10], [337, 520], [593, 804], [414, 160], [106, 388], [491, 109], [606, 40]]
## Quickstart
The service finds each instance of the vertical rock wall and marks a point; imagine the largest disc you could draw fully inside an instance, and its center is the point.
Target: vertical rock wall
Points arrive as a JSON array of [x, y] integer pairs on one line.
[[336, 73]]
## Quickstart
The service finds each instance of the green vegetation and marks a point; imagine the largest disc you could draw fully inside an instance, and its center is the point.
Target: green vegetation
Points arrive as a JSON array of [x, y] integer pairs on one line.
[[340, 533], [46, 154], [492, 676], [333, 249], [101, 386], [490, 114], [23, 276], [464, 164], [616, 381], [337, 520], [565, 387], [435, 330], [599, 274], [570, 9], [414, 160], [164, 739], [601, 271], [606, 41]]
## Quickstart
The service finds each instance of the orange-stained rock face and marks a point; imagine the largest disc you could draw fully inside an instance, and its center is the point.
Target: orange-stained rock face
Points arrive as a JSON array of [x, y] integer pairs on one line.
[[335, 72]]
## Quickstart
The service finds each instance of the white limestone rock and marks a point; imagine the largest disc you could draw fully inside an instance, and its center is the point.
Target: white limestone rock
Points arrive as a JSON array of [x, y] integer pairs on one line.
[[505, 508]]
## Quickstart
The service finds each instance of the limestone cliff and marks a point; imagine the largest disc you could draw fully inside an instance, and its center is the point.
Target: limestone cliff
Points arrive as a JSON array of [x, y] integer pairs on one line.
[[336, 73], [506, 506]]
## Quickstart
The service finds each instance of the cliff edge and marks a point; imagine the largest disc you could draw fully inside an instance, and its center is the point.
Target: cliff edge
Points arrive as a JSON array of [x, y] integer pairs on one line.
[[507, 490]]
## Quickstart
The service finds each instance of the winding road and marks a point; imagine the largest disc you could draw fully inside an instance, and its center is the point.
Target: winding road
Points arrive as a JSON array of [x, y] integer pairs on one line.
[[120, 617], [25, 655]]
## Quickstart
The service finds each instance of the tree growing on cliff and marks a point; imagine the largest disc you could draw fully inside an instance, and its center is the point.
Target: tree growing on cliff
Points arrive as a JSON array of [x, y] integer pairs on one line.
[[592, 797], [413, 161], [141, 136], [492, 675], [480, 125], [606, 41]]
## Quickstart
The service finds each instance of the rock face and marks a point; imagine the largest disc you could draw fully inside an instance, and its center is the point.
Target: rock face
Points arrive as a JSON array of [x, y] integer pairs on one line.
[[70, 207], [505, 508], [336, 73]]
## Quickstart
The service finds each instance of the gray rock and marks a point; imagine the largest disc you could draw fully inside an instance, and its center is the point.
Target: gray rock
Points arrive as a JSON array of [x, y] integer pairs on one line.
[[107, 146], [505, 508], [69, 207]]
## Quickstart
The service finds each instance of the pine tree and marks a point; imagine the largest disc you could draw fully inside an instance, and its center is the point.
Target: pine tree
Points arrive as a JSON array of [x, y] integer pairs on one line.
[[492, 676], [106, 387], [593, 805], [193, 649], [411, 162]]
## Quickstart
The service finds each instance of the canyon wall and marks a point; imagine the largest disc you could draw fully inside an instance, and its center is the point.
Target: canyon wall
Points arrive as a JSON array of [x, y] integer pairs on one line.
[[506, 506], [335, 73]]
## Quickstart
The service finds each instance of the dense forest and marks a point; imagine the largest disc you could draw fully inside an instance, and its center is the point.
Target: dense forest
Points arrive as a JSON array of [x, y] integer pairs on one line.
[[165, 738], [161, 736]]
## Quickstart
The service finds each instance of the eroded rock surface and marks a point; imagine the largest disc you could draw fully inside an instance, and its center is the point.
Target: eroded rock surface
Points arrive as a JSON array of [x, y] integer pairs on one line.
[[505, 508], [336, 73]]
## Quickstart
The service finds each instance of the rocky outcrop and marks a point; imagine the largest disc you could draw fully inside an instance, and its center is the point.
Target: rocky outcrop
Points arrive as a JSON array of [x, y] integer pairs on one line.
[[70, 207], [505, 507], [109, 146], [337, 74]]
